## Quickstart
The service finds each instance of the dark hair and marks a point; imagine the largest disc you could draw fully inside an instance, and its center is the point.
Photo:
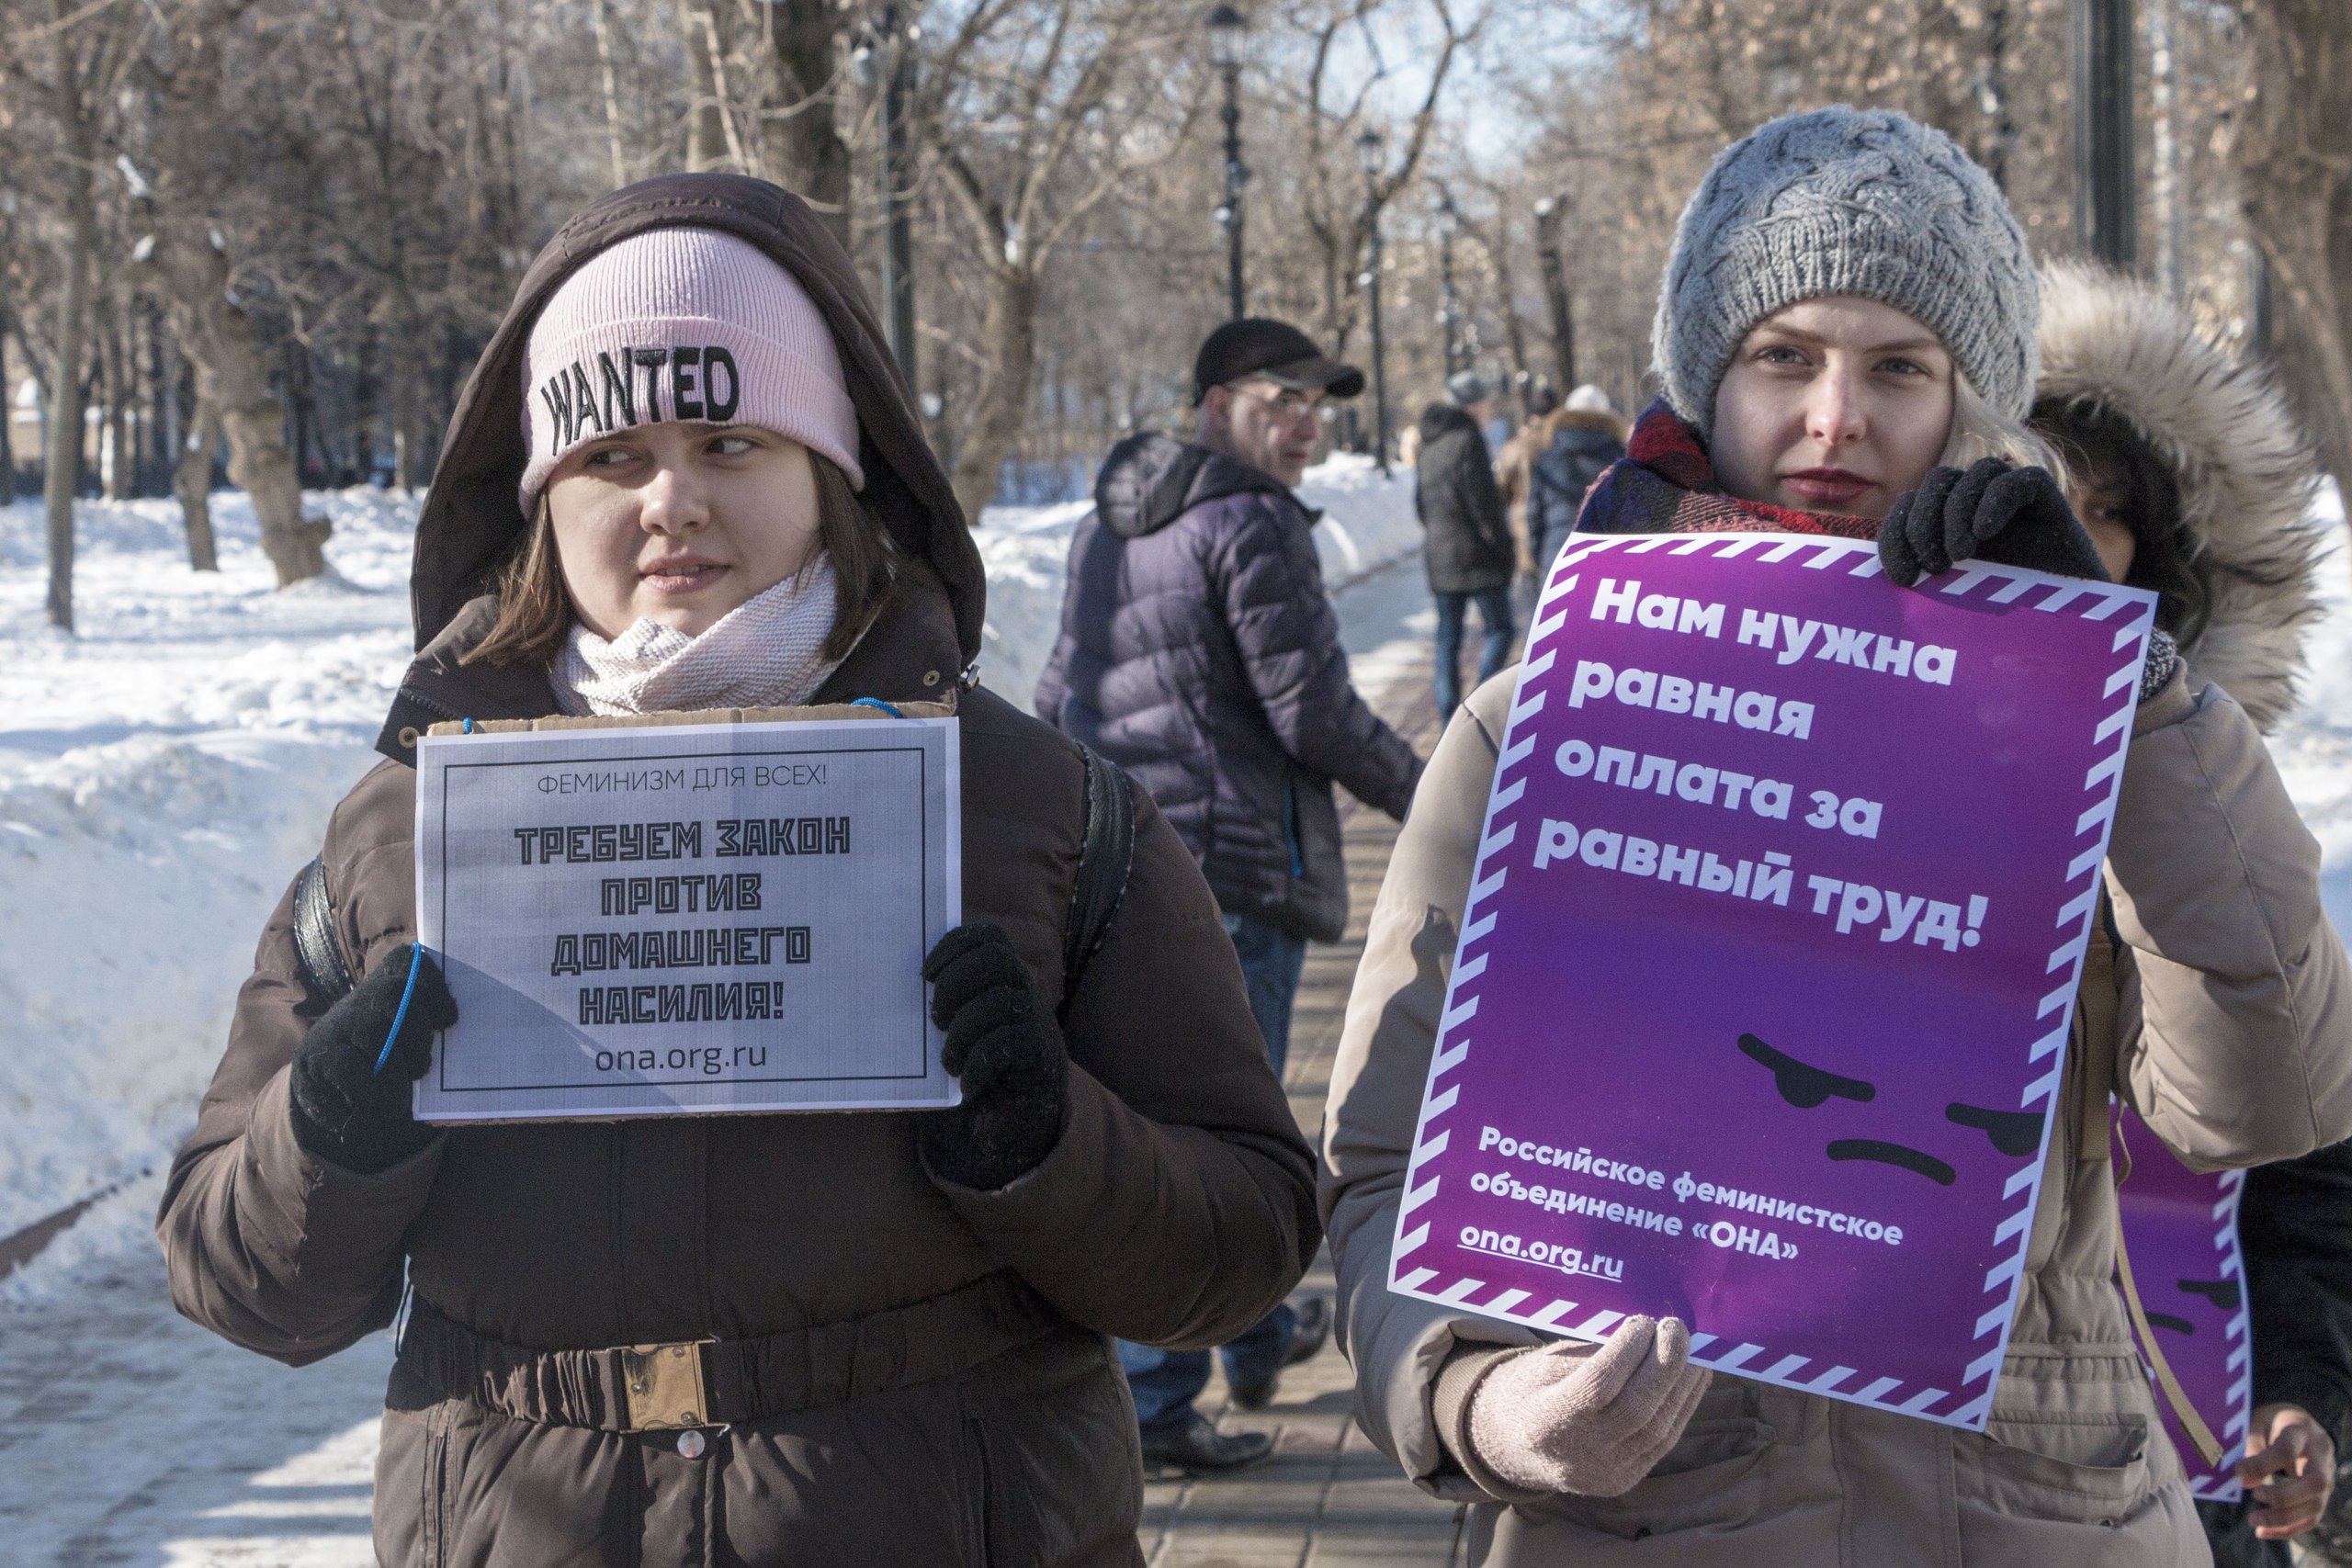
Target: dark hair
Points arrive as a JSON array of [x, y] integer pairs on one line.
[[2098, 443], [534, 612]]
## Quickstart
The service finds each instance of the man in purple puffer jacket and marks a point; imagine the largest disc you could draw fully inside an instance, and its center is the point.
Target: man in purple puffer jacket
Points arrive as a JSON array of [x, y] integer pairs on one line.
[[1198, 652]]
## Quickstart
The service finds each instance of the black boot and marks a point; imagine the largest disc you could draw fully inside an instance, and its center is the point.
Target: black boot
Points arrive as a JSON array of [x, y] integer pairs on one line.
[[1197, 1447], [1307, 1336]]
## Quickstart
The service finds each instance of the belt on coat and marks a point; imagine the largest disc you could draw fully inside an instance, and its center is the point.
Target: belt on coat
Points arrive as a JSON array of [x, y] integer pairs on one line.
[[717, 1383]]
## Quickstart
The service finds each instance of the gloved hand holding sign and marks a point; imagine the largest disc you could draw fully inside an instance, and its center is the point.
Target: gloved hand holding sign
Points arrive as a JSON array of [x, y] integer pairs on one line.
[[1993, 511], [353, 1072], [1005, 1049], [1569, 1417]]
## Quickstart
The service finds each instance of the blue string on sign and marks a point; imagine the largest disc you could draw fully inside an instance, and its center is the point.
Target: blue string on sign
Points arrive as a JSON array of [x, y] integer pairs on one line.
[[400, 1017], [877, 703]]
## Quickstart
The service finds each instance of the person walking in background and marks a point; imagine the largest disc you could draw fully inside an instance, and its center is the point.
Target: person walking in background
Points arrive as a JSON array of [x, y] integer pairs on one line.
[[1587, 435], [1199, 652], [1468, 550], [2194, 482], [1515, 470], [1845, 336]]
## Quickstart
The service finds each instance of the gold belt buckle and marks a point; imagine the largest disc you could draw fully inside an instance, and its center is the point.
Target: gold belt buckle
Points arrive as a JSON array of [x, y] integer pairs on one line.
[[664, 1388]]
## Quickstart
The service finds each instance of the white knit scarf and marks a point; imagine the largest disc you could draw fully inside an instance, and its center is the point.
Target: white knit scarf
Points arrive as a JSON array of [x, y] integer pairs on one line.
[[763, 654]]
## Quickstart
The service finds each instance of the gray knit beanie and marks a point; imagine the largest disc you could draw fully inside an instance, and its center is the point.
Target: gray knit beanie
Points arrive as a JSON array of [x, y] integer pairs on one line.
[[1867, 203]]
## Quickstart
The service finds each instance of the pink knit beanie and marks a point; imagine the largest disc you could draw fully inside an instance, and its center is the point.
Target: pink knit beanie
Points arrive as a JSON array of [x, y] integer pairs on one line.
[[682, 324]]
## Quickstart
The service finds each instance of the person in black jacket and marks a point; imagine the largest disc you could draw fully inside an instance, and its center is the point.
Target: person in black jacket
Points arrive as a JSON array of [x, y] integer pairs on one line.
[[1199, 652], [1469, 552]]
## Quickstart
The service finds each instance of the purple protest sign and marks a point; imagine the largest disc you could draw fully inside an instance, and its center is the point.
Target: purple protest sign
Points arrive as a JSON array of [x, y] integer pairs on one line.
[[2180, 1227], [1760, 1007]]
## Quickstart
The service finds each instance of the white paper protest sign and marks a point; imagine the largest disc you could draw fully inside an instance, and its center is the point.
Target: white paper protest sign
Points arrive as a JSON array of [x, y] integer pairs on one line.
[[687, 918]]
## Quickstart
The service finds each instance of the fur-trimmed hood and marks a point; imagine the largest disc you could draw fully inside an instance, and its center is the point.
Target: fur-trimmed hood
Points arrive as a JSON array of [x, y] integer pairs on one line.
[[2245, 471]]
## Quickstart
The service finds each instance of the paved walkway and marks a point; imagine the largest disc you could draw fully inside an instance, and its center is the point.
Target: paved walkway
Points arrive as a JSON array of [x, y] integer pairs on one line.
[[1327, 1498]]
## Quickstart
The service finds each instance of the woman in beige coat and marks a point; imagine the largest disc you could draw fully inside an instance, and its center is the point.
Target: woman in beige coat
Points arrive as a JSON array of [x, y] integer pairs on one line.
[[1847, 322]]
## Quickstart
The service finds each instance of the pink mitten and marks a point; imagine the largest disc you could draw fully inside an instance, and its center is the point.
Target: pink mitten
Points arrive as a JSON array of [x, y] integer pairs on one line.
[[1566, 1417]]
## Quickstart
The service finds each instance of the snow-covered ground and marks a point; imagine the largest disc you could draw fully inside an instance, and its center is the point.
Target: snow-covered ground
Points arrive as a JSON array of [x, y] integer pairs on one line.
[[163, 775]]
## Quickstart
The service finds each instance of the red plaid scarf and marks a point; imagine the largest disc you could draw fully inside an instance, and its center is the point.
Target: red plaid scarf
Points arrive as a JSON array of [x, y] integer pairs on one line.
[[1666, 485]]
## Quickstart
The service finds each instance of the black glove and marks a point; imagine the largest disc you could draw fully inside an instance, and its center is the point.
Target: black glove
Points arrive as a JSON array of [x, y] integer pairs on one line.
[[2007, 516], [347, 1114], [1006, 1050]]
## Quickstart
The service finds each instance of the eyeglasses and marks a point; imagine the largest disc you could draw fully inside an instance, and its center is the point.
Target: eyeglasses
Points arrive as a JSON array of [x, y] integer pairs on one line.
[[1288, 403]]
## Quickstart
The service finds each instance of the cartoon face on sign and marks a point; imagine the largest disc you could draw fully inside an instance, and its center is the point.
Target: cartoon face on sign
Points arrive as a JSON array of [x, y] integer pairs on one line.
[[1807, 1087]]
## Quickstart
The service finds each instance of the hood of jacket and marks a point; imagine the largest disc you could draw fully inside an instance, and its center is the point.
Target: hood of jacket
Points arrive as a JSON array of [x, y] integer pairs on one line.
[[1445, 419], [1591, 424], [1149, 481], [2245, 471], [472, 518]]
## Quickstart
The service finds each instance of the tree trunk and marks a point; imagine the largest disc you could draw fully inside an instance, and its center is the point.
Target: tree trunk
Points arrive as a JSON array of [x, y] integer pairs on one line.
[[706, 131], [1009, 358], [409, 468], [1555, 290], [63, 461], [803, 150], [192, 482], [7, 418], [116, 449], [2294, 159], [367, 393], [233, 377]]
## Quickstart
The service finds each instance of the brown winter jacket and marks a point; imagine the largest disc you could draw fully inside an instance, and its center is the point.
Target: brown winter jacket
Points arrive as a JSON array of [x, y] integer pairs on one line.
[[938, 1384], [1514, 470], [2223, 1016]]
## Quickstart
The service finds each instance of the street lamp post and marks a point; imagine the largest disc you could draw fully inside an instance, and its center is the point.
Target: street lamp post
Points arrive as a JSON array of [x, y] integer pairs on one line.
[[1372, 152], [2103, 210], [1449, 223], [1227, 29], [1555, 289], [885, 59]]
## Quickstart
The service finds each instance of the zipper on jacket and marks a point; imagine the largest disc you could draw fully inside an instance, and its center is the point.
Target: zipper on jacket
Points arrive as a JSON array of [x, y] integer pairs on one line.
[[976, 1438], [1290, 826]]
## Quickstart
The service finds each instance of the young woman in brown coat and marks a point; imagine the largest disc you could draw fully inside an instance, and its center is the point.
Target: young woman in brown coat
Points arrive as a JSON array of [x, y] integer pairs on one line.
[[901, 1321], [1846, 334]]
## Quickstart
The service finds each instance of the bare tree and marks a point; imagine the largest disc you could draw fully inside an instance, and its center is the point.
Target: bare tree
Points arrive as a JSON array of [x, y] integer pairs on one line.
[[70, 60], [2293, 157], [1338, 203], [192, 482], [1035, 112], [764, 79], [184, 261]]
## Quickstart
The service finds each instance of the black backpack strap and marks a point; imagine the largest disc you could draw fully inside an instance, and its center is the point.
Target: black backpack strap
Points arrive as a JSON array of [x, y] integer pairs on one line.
[[323, 971], [1102, 866]]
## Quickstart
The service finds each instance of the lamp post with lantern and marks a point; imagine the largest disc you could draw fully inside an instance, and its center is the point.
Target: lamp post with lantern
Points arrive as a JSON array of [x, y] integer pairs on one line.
[[1372, 152], [1227, 32]]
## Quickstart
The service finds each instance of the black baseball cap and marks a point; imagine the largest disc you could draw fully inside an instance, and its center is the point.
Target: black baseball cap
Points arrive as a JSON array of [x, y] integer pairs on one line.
[[1272, 351]]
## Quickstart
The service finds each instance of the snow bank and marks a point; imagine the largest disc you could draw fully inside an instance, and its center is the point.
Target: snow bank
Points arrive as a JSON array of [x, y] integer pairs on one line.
[[164, 773], [160, 777]]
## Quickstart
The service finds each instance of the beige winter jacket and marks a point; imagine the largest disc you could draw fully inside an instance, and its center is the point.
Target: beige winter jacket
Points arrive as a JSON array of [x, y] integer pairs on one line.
[[2228, 1020]]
